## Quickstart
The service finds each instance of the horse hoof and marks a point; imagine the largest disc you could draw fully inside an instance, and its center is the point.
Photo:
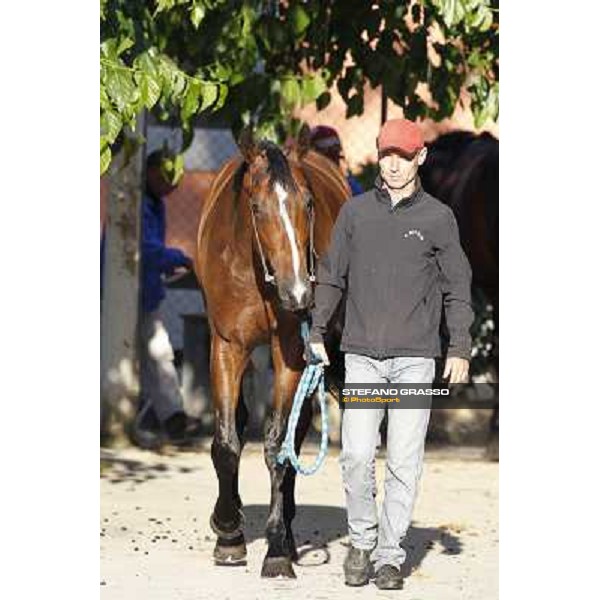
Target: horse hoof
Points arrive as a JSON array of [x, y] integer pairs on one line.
[[227, 555], [280, 566]]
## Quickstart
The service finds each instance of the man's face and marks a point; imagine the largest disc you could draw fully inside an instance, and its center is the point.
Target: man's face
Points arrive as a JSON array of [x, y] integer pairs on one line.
[[157, 183], [397, 170]]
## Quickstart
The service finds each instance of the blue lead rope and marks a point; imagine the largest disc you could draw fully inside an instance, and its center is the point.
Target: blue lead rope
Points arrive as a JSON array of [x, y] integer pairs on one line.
[[312, 377]]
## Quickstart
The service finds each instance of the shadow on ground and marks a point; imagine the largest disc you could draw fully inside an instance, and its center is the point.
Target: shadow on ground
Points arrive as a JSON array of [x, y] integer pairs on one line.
[[125, 470], [316, 526]]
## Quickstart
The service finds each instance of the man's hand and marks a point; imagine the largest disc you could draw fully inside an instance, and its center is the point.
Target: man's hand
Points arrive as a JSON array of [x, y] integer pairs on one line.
[[184, 268], [318, 349], [457, 369]]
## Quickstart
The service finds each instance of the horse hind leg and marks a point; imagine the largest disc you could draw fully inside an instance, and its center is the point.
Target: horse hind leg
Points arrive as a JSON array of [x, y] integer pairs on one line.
[[227, 364]]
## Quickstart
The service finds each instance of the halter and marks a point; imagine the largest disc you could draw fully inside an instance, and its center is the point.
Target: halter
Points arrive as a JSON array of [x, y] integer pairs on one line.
[[269, 277]]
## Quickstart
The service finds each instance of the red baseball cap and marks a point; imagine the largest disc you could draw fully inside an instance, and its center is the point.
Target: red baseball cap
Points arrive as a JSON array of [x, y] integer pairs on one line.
[[400, 135]]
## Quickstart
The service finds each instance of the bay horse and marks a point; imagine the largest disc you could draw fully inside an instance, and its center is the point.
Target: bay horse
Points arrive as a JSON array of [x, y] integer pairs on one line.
[[253, 262], [462, 170]]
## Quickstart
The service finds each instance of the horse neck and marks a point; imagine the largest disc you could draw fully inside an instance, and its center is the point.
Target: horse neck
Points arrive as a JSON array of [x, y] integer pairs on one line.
[[243, 231]]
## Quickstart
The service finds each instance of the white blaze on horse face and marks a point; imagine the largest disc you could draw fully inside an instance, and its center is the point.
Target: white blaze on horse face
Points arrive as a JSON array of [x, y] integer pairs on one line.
[[299, 288]]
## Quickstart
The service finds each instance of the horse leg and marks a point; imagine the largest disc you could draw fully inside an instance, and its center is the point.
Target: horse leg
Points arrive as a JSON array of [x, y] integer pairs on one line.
[[278, 560], [227, 365], [241, 420], [289, 480]]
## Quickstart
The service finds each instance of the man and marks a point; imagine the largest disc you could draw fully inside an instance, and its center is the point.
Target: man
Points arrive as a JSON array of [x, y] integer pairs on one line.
[[395, 252], [326, 141], [161, 416]]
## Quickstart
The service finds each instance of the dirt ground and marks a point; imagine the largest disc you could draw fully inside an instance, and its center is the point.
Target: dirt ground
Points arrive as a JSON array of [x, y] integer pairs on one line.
[[155, 541]]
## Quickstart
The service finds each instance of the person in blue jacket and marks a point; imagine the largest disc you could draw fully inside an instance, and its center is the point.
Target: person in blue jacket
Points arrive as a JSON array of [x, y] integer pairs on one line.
[[161, 416], [326, 141]]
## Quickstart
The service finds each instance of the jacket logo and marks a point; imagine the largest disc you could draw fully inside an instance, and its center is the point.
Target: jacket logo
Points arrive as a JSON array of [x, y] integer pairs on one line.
[[415, 233]]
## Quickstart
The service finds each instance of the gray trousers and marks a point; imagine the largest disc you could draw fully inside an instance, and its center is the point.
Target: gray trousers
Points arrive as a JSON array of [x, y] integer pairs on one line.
[[406, 431], [158, 376]]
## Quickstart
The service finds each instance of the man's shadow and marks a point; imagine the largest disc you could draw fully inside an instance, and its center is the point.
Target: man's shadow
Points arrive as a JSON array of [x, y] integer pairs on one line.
[[316, 526]]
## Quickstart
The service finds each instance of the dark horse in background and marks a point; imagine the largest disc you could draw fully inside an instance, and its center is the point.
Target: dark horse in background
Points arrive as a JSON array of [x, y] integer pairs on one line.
[[462, 170], [256, 222]]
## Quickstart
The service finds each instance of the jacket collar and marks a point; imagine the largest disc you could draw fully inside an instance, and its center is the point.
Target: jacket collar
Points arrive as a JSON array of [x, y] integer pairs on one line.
[[383, 195]]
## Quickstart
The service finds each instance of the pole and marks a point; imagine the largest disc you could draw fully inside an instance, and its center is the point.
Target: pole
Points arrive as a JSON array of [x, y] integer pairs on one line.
[[119, 382]]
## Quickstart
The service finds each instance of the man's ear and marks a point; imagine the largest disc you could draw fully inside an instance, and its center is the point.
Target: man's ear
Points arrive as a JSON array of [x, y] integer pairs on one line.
[[247, 144], [422, 155]]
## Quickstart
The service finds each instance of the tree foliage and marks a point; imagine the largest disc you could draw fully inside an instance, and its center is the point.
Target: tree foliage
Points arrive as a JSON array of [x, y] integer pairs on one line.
[[260, 60]]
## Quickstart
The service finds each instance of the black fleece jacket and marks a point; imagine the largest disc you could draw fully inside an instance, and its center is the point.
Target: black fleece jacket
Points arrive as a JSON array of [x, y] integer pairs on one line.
[[399, 266]]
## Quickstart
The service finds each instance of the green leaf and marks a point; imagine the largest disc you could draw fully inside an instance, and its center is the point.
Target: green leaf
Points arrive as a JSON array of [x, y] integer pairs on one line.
[[167, 70], [149, 62], [104, 99], [487, 21], [223, 91], [312, 88], [300, 20], [247, 21], [124, 44], [187, 137], [493, 101], [189, 105], [149, 90], [177, 169], [110, 123], [197, 12], [105, 155], [290, 93], [108, 48], [210, 92], [449, 11], [479, 116], [177, 84], [120, 88], [172, 166], [163, 5]]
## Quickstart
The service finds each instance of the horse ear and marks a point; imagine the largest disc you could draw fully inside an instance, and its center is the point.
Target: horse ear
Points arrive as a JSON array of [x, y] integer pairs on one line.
[[247, 145], [303, 144]]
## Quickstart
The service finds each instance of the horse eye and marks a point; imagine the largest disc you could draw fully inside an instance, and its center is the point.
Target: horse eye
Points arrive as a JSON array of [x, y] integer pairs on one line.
[[309, 201]]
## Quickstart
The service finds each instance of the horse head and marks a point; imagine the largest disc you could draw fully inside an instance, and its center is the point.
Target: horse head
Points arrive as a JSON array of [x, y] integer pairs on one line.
[[274, 189]]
